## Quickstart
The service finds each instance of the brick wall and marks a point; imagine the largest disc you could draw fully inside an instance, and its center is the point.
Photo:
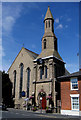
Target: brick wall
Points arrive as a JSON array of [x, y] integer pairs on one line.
[[80, 92], [65, 94]]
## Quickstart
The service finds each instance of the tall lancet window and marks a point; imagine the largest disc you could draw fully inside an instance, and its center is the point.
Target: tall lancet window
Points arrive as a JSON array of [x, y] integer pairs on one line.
[[46, 24], [55, 44], [21, 78], [28, 81], [44, 43], [49, 23], [40, 72], [45, 71], [14, 83]]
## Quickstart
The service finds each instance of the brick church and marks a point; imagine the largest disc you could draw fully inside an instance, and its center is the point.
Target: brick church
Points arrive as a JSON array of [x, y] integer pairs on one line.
[[35, 76]]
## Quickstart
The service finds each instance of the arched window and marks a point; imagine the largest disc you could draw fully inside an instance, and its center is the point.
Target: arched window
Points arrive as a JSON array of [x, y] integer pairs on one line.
[[45, 71], [49, 23], [41, 71], [21, 78], [14, 83], [46, 24], [28, 81], [55, 44], [44, 43]]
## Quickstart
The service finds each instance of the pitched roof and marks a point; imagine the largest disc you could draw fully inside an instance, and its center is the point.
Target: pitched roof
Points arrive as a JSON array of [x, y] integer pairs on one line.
[[32, 54], [48, 14], [75, 74]]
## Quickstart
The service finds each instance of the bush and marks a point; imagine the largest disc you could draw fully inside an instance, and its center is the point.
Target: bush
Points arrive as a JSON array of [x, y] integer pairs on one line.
[[48, 110], [34, 108]]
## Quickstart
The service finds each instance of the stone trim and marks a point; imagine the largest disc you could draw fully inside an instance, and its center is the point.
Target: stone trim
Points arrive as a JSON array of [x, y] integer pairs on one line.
[[70, 112], [50, 57], [34, 82]]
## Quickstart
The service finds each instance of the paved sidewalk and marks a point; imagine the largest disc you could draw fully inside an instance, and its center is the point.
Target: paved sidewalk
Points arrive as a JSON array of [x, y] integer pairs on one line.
[[43, 113]]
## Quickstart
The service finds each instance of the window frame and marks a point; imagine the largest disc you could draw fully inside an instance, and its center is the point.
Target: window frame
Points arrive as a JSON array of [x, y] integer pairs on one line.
[[75, 96], [73, 83]]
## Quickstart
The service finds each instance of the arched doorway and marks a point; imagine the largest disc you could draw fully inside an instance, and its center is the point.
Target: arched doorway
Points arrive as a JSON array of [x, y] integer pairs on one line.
[[43, 101]]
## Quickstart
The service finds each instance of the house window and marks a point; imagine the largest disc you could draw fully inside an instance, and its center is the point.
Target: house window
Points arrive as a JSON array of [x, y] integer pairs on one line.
[[74, 84], [45, 71], [75, 103], [49, 23], [14, 82], [21, 78], [44, 43], [28, 81]]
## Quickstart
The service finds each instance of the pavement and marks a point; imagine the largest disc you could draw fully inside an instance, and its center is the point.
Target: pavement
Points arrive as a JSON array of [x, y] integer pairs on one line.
[[17, 114]]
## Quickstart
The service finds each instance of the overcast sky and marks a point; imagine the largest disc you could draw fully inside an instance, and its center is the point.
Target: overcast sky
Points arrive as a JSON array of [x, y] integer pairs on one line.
[[22, 23]]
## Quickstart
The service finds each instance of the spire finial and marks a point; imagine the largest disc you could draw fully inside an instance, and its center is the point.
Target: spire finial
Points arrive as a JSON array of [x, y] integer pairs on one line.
[[23, 44], [48, 14]]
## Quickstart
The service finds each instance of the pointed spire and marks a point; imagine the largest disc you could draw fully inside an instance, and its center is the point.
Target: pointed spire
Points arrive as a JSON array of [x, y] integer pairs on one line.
[[48, 14]]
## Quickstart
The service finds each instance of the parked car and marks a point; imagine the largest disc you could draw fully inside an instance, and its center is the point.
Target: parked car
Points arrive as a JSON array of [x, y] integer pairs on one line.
[[0, 107]]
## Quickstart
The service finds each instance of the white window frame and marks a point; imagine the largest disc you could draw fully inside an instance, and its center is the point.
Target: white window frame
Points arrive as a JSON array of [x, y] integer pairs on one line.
[[71, 83], [72, 96]]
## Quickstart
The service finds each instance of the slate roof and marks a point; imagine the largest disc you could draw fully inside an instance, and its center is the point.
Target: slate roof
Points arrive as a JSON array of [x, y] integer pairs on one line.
[[75, 74], [32, 54]]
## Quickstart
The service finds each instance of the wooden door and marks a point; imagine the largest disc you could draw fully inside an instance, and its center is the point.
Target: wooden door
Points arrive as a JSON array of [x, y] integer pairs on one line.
[[44, 102]]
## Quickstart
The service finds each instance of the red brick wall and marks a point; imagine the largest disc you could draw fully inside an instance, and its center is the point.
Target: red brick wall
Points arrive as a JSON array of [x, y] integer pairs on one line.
[[65, 94], [80, 93]]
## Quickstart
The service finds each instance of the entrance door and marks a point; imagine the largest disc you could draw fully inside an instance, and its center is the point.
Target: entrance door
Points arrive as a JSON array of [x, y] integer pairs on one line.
[[44, 102]]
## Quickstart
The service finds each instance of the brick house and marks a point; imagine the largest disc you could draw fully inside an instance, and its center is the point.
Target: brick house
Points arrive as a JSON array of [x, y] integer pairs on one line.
[[71, 94]]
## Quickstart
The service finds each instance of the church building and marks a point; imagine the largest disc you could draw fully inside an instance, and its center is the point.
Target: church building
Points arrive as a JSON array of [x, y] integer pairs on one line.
[[34, 76]]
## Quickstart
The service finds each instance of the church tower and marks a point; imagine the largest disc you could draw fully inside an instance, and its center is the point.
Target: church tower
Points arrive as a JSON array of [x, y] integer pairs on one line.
[[49, 40], [48, 66], [49, 36]]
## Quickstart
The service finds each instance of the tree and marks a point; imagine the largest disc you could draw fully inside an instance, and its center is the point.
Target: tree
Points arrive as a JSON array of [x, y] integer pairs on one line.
[[6, 90]]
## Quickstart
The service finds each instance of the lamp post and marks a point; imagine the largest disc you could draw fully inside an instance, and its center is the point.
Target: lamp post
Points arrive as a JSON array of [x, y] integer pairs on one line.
[[41, 103]]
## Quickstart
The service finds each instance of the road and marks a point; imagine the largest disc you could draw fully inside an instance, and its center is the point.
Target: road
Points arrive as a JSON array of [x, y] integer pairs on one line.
[[15, 114]]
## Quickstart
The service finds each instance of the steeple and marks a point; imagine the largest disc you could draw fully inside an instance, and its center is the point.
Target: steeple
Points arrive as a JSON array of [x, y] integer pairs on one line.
[[49, 21], [48, 14], [49, 40]]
